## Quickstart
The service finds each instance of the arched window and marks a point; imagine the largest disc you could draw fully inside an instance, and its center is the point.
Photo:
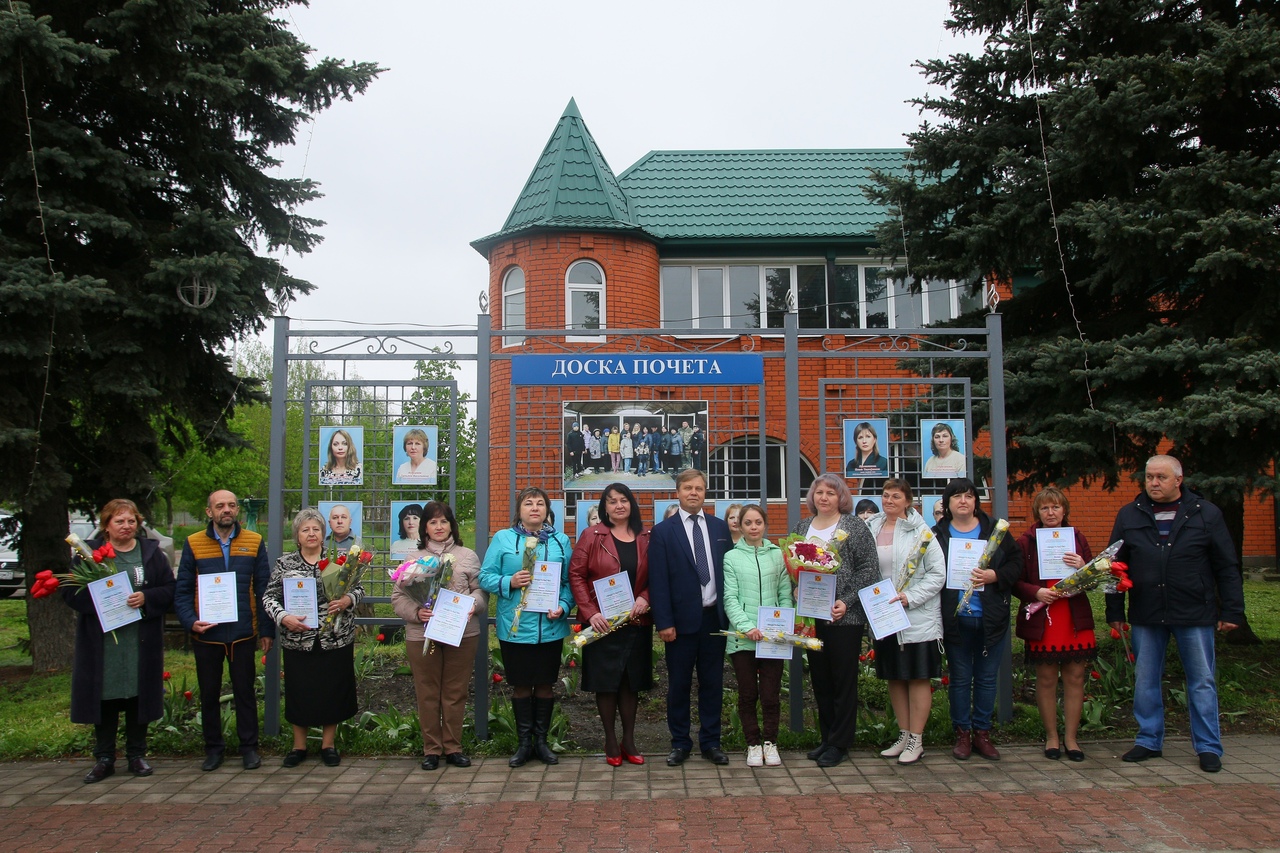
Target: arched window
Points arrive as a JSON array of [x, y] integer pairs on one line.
[[584, 296], [513, 316], [735, 470]]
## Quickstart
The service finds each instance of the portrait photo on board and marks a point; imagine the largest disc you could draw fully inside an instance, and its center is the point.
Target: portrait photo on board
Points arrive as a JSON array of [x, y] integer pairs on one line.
[[341, 449], [943, 449], [414, 455], [342, 525], [866, 447], [406, 527]]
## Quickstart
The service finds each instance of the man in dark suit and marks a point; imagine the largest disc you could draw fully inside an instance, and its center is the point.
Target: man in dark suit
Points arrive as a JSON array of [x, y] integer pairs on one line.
[[686, 594]]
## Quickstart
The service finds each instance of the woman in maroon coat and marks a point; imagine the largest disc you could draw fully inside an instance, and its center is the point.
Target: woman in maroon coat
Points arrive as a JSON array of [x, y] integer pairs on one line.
[[1059, 637], [619, 666], [126, 672]]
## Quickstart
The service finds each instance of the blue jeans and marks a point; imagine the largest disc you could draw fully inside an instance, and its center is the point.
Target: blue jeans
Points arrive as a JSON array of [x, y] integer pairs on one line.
[[973, 676], [1195, 649]]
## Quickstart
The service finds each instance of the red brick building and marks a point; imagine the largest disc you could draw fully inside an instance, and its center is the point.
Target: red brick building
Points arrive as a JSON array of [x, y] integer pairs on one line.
[[690, 244]]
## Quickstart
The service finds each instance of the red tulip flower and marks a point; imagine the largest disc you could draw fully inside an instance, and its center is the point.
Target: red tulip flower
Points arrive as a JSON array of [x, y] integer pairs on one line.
[[572, 664], [497, 678], [322, 565], [382, 638], [342, 560], [1095, 675], [167, 676], [945, 681], [1115, 635], [187, 695], [577, 629], [264, 660]]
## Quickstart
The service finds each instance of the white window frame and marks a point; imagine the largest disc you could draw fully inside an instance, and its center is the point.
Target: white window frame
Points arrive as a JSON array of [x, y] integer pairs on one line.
[[583, 287], [523, 291], [720, 478]]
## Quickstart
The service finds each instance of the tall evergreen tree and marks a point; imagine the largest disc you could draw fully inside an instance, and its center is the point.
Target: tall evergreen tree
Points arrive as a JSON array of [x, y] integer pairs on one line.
[[1122, 155], [135, 144]]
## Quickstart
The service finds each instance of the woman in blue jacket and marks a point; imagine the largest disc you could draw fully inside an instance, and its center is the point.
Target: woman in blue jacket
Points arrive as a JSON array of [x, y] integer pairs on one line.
[[530, 649]]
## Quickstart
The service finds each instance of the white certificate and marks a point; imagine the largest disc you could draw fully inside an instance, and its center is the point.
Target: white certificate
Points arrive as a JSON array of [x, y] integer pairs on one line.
[[449, 618], [962, 558], [300, 600], [815, 595], [216, 599], [886, 615], [775, 620], [614, 595], [1051, 544], [110, 598], [544, 592]]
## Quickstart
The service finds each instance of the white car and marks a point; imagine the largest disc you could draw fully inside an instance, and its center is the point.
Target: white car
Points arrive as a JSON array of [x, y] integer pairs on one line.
[[12, 576]]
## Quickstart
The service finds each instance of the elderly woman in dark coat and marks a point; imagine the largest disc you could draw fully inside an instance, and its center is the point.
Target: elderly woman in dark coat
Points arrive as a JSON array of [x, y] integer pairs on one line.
[[125, 673]]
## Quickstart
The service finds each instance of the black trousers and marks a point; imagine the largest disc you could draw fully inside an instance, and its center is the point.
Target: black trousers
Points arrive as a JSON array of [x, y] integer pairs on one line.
[[239, 657], [705, 653], [833, 672], [104, 733]]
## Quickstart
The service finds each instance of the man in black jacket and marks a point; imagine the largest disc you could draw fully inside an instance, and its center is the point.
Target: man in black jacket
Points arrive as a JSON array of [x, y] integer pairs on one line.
[[1186, 582]]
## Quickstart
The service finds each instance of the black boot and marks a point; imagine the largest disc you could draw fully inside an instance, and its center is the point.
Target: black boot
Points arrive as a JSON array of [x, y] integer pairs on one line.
[[523, 709], [541, 727]]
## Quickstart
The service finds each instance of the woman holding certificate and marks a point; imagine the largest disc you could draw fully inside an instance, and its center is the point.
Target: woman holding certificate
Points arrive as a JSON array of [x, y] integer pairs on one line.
[[527, 567], [1059, 637], [441, 674], [755, 577], [619, 665], [125, 673], [833, 671], [912, 561], [973, 636], [318, 653]]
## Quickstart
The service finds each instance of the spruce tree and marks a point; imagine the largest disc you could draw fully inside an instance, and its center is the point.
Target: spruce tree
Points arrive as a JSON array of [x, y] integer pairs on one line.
[[1119, 158], [136, 144]]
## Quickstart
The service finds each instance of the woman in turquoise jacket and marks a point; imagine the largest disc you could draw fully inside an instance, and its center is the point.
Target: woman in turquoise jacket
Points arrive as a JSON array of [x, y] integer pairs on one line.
[[530, 649], [755, 577]]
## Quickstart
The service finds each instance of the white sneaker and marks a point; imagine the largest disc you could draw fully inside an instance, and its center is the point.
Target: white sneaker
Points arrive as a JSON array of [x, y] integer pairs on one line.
[[755, 756], [913, 750], [771, 756], [898, 745]]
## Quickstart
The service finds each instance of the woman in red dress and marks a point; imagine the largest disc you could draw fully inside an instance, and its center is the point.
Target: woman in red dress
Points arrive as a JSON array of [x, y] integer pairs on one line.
[[1059, 638]]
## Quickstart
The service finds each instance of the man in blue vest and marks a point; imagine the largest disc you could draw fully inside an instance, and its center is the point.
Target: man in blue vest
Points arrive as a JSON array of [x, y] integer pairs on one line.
[[240, 556]]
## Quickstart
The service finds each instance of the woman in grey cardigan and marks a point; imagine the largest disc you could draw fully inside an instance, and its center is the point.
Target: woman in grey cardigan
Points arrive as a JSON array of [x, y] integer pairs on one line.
[[833, 672]]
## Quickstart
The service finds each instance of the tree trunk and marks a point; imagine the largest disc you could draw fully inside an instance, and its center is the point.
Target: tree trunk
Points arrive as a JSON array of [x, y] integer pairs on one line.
[[1233, 516], [50, 621]]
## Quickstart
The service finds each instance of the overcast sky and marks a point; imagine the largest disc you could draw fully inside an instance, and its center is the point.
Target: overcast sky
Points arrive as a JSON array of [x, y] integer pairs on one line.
[[435, 153]]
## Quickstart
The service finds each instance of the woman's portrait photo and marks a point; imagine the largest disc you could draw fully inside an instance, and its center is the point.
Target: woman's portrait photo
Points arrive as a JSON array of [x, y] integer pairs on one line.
[[414, 455], [866, 448], [943, 449], [865, 507], [340, 452], [406, 528]]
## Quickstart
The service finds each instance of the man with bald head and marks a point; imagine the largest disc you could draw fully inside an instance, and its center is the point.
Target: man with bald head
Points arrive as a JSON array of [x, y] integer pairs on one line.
[[1186, 583], [225, 547]]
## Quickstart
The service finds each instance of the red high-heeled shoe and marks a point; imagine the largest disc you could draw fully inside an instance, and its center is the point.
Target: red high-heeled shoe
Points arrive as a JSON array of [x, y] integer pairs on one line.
[[613, 760], [634, 759]]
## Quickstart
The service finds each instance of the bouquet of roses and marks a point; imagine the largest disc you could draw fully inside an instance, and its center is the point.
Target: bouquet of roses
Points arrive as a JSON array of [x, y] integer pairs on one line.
[[810, 554], [526, 565], [1001, 528], [585, 636], [350, 568], [801, 640], [909, 568], [1103, 568]]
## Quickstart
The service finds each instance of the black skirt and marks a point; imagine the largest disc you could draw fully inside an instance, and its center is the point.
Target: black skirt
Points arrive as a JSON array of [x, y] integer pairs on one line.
[[908, 662], [531, 664], [625, 651], [319, 686]]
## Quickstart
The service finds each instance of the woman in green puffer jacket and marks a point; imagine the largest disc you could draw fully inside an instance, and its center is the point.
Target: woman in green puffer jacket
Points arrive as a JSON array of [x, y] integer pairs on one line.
[[754, 577]]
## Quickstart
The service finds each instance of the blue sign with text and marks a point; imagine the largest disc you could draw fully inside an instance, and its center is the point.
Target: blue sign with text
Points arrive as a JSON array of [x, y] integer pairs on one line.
[[638, 369]]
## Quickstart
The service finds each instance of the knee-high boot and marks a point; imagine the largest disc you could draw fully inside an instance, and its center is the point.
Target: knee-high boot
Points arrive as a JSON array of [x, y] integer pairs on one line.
[[523, 710], [541, 728]]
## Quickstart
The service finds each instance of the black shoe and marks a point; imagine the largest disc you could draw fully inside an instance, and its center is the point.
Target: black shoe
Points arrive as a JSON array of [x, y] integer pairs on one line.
[[817, 751], [677, 757], [140, 767], [294, 757], [100, 771], [833, 756], [1075, 755], [1210, 762], [212, 761], [457, 759], [1053, 753], [251, 759], [715, 755], [430, 762], [330, 757], [1141, 753]]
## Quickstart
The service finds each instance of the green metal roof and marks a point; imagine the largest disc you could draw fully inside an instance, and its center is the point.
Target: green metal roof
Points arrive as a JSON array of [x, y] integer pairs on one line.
[[677, 195], [571, 186]]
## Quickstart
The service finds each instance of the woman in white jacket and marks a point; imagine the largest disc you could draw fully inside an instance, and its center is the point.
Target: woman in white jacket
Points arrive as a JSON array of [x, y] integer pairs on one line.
[[910, 658]]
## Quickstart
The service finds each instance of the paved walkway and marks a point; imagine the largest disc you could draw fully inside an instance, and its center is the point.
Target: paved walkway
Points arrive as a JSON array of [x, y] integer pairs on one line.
[[1023, 802]]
